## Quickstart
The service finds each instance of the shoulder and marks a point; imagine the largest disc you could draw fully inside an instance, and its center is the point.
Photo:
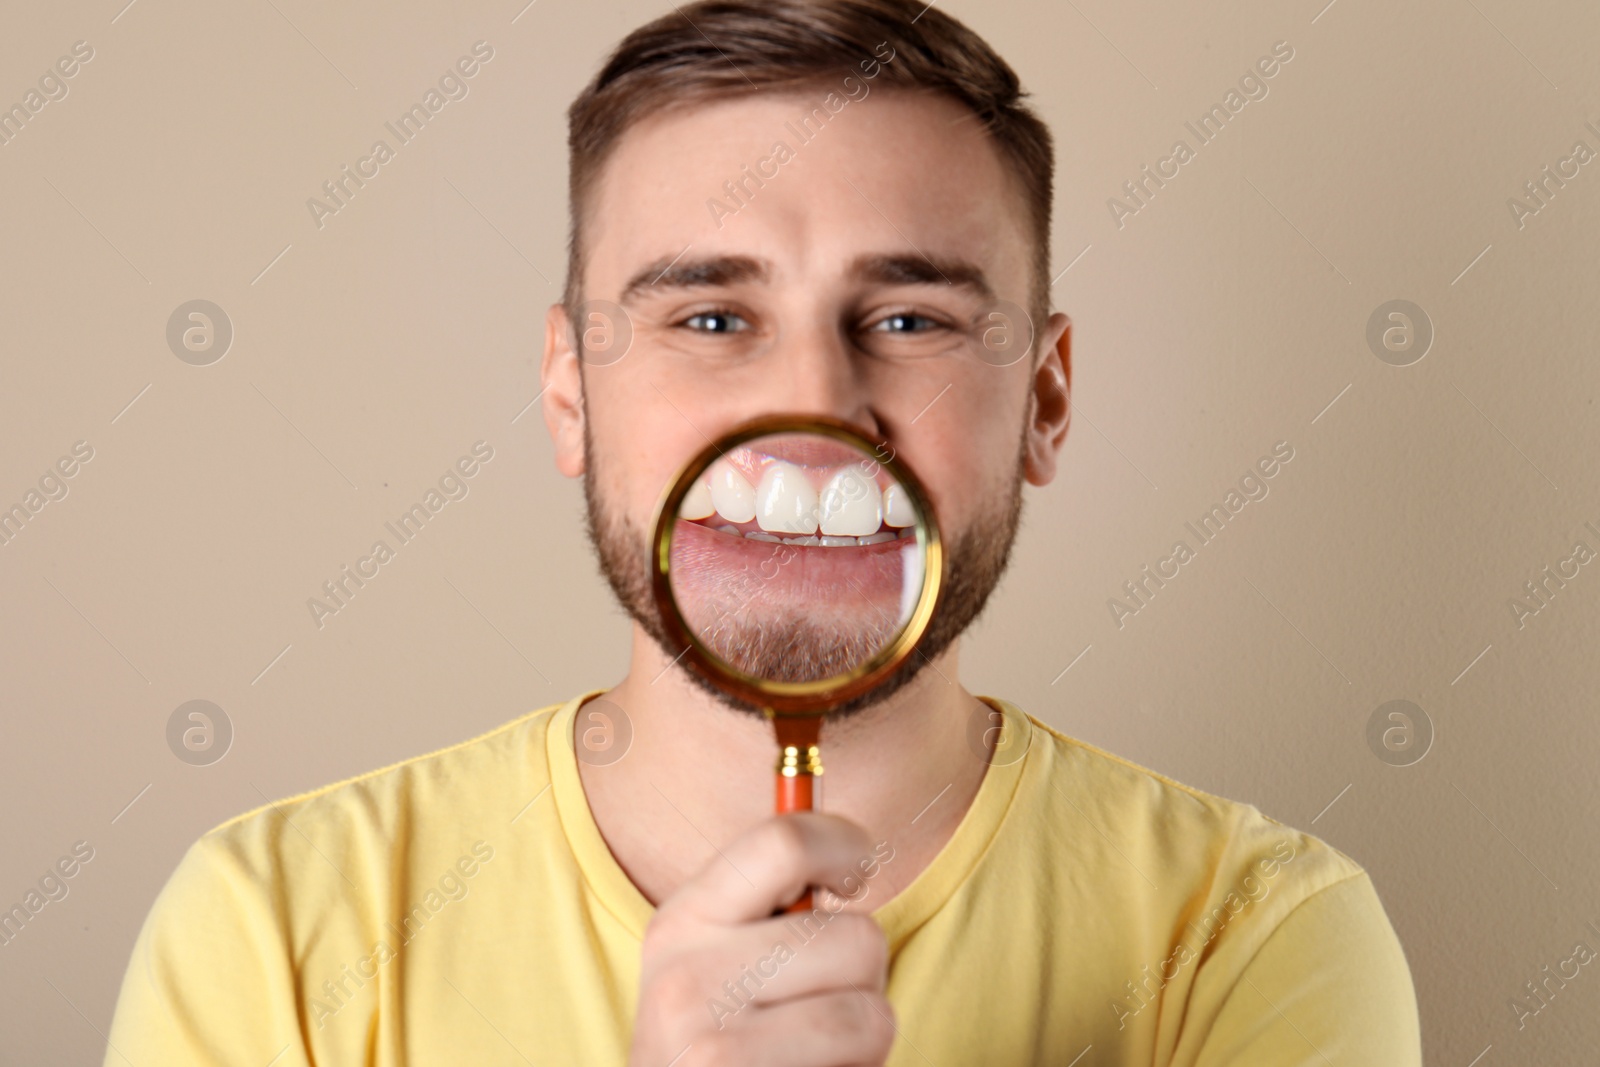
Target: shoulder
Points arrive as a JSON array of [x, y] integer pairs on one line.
[[1189, 835], [1174, 868], [353, 838], [1211, 901], [272, 900]]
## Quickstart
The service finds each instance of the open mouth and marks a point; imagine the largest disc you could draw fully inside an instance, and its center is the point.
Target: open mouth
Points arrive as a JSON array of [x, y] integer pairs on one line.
[[802, 492], [796, 556]]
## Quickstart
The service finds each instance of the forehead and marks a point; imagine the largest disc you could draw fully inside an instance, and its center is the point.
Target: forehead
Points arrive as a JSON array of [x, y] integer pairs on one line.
[[809, 182]]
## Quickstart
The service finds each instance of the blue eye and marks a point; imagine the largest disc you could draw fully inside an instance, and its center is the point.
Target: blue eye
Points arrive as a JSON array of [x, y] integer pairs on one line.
[[904, 322], [716, 322]]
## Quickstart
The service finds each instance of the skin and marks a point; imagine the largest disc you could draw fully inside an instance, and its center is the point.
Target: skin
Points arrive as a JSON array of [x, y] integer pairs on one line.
[[895, 175]]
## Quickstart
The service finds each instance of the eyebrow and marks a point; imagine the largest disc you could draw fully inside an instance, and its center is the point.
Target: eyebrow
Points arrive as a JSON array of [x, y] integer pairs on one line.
[[702, 273], [902, 269], [879, 269]]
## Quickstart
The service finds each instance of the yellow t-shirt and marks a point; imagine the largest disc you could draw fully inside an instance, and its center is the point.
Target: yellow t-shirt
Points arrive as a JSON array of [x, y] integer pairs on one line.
[[462, 908]]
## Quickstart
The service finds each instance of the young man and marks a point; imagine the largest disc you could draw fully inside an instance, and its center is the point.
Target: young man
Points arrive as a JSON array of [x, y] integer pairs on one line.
[[811, 207]]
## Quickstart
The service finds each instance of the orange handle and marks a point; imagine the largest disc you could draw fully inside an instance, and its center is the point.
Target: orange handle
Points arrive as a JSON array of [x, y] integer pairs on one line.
[[797, 737], [795, 794]]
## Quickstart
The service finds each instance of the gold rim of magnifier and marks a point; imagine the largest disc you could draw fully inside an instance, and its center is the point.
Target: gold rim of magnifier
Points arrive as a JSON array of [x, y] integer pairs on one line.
[[797, 698]]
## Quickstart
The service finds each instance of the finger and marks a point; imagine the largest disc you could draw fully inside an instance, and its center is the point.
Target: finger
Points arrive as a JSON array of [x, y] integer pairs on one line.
[[828, 1030], [770, 865], [784, 959]]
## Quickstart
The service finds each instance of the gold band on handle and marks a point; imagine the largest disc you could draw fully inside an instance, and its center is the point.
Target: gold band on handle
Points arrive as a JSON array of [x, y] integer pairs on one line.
[[796, 760]]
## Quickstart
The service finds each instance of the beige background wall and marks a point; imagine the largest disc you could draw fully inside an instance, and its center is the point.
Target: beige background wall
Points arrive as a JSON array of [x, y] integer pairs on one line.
[[1226, 315]]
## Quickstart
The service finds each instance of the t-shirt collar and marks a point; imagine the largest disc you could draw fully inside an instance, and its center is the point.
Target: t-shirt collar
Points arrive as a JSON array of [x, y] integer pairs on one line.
[[900, 916]]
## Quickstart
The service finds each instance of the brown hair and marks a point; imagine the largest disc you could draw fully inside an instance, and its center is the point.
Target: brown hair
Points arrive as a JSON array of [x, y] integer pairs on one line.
[[721, 48]]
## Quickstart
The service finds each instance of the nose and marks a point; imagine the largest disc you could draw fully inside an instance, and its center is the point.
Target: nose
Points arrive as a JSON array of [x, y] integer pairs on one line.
[[817, 372]]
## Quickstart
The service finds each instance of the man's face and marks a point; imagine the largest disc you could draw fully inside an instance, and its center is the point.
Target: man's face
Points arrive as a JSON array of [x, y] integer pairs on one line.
[[860, 279]]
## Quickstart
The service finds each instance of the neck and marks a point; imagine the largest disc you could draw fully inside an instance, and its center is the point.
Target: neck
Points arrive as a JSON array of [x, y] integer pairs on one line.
[[698, 773]]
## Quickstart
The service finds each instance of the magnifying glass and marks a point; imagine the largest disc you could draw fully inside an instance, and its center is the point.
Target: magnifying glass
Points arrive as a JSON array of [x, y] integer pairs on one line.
[[798, 564]]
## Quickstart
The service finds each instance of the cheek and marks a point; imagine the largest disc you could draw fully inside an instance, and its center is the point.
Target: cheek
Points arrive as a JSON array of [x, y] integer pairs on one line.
[[966, 474], [967, 453], [638, 439]]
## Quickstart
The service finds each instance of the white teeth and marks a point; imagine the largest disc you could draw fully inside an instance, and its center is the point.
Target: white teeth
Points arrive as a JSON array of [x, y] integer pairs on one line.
[[697, 502], [851, 504], [897, 509], [731, 495], [851, 510], [785, 501]]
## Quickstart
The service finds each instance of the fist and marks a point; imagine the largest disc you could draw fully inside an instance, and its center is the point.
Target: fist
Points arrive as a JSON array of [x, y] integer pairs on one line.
[[726, 981]]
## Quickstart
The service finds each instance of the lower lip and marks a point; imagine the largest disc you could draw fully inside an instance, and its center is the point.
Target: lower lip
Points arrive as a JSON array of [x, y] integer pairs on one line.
[[714, 573]]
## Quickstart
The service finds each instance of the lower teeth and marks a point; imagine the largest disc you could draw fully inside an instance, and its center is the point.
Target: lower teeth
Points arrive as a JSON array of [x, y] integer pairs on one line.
[[827, 541]]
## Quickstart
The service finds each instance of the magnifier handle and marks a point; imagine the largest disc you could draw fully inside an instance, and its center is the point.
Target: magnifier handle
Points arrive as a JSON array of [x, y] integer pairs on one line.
[[798, 769], [794, 794]]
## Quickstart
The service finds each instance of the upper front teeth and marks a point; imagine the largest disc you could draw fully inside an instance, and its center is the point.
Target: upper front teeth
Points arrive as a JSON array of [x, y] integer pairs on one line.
[[697, 503], [897, 508], [785, 501], [731, 495], [851, 505]]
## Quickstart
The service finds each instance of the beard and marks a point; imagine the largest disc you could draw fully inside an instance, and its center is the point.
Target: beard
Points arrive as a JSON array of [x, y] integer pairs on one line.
[[796, 650]]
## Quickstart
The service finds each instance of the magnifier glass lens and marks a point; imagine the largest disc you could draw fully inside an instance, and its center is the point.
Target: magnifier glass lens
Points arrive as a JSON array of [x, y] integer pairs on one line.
[[795, 557]]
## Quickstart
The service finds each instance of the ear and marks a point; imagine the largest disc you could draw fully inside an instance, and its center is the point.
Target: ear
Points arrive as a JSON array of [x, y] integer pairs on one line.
[[1050, 402], [561, 376]]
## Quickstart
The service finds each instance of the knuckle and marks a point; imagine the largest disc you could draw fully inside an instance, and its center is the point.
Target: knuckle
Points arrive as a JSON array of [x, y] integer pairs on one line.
[[851, 832], [785, 844], [676, 993], [787, 836]]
